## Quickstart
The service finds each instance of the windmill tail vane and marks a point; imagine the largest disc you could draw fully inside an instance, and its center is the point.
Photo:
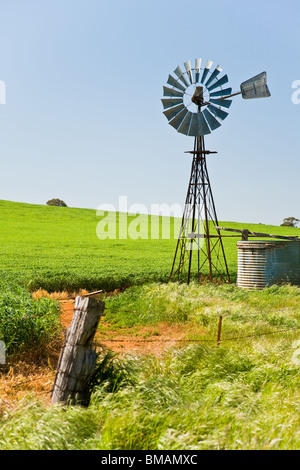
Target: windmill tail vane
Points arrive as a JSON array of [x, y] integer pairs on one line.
[[196, 102]]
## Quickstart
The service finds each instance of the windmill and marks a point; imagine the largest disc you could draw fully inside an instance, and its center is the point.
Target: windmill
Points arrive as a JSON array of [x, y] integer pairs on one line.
[[196, 102]]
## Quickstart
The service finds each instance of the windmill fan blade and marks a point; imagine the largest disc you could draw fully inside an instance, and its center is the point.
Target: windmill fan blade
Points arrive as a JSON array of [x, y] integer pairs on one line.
[[184, 127], [170, 113], [194, 129], [180, 75], [211, 120], [169, 103], [225, 92], [197, 69], [204, 129], [223, 103], [206, 70], [189, 71], [212, 109], [172, 92], [217, 112], [214, 75], [220, 82], [174, 83], [256, 87], [178, 119]]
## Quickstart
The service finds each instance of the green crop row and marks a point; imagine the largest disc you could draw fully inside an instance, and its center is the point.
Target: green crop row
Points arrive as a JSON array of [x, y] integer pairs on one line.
[[57, 248]]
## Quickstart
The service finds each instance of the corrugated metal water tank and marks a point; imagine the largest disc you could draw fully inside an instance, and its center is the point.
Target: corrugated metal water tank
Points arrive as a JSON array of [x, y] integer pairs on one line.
[[264, 263]]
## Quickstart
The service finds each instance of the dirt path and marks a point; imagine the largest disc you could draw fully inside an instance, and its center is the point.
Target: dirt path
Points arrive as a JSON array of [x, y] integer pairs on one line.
[[142, 340]]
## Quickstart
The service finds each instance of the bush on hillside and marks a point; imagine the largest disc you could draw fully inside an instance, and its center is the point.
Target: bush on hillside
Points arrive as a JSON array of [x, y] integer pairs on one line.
[[290, 222], [56, 202]]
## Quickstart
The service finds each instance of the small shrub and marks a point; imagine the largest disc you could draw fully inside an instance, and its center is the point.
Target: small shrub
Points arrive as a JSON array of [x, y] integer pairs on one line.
[[56, 202]]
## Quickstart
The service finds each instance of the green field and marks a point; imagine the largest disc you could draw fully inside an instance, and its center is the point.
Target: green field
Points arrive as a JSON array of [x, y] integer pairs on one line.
[[57, 248], [242, 394]]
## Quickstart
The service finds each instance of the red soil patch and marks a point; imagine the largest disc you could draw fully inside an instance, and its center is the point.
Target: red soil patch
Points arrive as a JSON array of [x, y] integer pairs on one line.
[[143, 340]]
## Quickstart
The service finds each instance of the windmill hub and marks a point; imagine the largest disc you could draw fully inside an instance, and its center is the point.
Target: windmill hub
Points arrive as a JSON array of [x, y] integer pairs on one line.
[[197, 97]]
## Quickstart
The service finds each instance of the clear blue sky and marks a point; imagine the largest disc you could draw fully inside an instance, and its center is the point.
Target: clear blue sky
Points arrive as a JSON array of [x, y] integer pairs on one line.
[[83, 118]]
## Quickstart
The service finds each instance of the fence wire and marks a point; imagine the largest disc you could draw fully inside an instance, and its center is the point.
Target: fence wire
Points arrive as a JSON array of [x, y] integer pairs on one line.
[[203, 340]]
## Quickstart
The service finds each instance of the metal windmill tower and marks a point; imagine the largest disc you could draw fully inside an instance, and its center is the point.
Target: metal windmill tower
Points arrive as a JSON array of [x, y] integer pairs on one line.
[[195, 104]]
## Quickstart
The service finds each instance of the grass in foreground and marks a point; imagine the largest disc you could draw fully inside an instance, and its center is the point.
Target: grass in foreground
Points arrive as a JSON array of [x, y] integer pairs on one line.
[[244, 394], [194, 398]]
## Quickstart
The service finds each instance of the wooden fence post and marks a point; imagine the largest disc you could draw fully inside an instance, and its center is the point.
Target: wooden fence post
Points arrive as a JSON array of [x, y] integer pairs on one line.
[[219, 330], [78, 357]]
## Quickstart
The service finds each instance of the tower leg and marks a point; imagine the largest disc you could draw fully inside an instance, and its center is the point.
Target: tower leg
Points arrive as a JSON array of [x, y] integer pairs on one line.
[[197, 233]]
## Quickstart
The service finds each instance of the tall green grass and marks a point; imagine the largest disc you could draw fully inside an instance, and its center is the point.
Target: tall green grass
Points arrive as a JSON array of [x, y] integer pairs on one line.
[[243, 394], [244, 312], [197, 397], [26, 325]]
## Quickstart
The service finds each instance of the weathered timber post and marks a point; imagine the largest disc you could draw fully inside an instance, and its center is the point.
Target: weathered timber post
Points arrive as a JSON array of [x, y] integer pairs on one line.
[[245, 235], [78, 357]]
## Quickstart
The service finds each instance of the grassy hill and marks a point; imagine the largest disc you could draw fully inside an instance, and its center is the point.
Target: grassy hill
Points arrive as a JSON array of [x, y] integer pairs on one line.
[[57, 248], [242, 394]]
